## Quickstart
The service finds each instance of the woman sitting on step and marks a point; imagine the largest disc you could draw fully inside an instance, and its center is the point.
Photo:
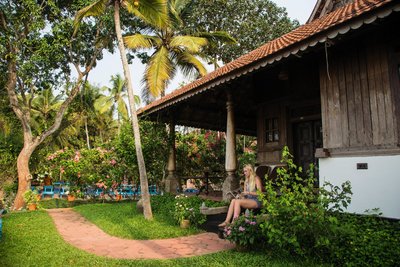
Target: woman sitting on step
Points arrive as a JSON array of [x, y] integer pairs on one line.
[[248, 198]]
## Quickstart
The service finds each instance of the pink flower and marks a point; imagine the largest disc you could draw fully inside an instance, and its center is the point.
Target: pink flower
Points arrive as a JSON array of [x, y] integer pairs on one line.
[[253, 223], [113, 162], [241, 229], [77, 156]]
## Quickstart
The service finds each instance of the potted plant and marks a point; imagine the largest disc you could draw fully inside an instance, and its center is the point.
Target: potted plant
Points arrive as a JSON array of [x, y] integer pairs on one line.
[[74, 192], [183, 212], [31, 199]]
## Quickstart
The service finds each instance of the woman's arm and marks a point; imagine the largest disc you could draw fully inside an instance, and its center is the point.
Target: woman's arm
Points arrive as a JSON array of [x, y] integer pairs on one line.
[[258, 187]]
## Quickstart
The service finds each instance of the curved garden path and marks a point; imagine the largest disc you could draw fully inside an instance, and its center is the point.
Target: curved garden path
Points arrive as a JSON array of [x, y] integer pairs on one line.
[[83, 234]]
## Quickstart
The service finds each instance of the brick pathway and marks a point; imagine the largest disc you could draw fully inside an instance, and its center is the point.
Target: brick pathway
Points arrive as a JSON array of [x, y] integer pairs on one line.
[[81, 233]]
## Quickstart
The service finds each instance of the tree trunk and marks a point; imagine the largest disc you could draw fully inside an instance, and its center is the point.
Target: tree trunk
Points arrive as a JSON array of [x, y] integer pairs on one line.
[[87, 133], [135, 124], [24, 175]]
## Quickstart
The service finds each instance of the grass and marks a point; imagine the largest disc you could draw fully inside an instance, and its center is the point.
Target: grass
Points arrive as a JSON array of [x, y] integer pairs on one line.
[[31, 239], [122, 220]]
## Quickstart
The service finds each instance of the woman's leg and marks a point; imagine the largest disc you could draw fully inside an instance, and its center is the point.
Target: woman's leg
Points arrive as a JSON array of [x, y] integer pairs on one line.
[[243, 203], [230, 213]]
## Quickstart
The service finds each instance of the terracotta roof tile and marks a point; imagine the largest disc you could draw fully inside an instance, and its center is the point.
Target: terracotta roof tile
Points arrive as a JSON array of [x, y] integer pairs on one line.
[[343, 14]]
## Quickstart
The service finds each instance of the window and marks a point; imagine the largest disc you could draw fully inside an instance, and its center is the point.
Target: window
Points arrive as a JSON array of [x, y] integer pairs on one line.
[[272, 130]]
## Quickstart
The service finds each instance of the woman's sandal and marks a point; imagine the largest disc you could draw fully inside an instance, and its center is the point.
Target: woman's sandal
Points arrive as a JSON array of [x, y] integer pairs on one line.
[[224, 224]]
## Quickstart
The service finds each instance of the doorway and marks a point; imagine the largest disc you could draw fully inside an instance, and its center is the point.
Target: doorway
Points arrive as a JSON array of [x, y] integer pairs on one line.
[[307, 138]]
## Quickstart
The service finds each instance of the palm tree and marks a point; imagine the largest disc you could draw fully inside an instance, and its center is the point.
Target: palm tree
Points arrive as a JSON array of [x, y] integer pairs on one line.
[[173, 49], [44, 107], [114, 101], [150, 11]]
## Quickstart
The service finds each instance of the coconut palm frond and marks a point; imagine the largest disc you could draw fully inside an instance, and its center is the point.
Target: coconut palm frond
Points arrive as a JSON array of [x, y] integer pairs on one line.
[[122, 108], [137, 99], [103, 104], [158, 71], [189, 43], [190, 65], [140, 41], [184, 7], [118, 84], [153, 12], [218, 36], [95, 9], [145, 93], [174, 8]]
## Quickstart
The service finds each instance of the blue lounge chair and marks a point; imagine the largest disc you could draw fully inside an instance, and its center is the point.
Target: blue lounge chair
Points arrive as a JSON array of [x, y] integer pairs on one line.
[[153, 190], [63, 191], [57, 187], [48, 190]]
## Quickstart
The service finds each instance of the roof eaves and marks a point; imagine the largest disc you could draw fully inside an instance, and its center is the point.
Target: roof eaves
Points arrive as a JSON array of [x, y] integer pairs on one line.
[[320, 36]]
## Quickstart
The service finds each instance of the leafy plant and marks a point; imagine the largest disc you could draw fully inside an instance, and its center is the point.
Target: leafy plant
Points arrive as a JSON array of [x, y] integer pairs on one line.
[[188, 208], [301, 221], [244, 231], [31, 197], [76, 192]]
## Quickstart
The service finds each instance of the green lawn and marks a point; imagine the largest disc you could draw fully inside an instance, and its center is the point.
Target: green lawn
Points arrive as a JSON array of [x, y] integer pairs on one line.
[[30, 239], [122, 220]]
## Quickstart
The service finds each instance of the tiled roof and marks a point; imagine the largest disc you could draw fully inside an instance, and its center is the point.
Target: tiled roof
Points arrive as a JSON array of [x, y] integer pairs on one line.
[[281, 44]]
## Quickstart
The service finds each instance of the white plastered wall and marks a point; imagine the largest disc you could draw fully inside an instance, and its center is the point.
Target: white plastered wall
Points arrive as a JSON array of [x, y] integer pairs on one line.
[[376, 187]]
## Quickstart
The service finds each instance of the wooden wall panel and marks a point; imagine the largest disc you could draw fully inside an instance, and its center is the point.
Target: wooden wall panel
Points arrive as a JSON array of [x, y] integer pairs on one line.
[[365, 99], [354, 67], [342, 121], [357, 101], [324, 104]]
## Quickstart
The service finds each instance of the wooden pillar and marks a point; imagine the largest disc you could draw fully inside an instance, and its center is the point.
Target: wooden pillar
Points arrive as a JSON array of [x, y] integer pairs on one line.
[[231, 181], [171, 182]]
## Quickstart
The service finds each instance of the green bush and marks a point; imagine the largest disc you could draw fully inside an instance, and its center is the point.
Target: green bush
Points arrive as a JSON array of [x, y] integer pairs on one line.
[[298, 221], [163, 204], [308, 223], [365, 240]]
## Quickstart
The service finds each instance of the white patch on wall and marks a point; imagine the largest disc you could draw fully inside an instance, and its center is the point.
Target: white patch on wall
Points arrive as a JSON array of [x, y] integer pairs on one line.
[[375, 187]]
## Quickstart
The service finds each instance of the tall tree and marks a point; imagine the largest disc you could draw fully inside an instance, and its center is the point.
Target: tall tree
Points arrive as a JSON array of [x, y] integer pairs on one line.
[[153, 11], [30, 31], [114, 100], [251, 22], [173, 49]]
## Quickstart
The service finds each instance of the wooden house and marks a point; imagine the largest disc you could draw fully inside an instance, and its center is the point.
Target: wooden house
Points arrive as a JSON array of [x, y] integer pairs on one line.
[[330, 90]]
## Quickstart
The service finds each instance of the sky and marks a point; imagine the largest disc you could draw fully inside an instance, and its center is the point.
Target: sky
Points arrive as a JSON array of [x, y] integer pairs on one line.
[[111, 64]]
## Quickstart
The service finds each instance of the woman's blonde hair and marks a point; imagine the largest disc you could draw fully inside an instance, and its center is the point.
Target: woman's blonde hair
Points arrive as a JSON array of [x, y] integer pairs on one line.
[[252, 177]]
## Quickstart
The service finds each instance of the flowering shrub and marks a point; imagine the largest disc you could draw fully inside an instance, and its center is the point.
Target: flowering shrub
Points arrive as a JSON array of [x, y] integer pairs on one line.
[[85, 166], [188, 208], [244, 231]]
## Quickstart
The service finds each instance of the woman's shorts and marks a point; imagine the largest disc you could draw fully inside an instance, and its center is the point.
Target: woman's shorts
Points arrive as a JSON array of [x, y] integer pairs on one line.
[[255, 198]]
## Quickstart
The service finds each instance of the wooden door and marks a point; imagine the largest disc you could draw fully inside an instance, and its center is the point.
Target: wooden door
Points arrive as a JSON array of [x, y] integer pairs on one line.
[[307, 138]]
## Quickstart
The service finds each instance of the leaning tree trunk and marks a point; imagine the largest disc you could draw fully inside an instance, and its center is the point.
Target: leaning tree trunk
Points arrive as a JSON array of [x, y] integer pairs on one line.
[[24, 175], [135, 124]]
